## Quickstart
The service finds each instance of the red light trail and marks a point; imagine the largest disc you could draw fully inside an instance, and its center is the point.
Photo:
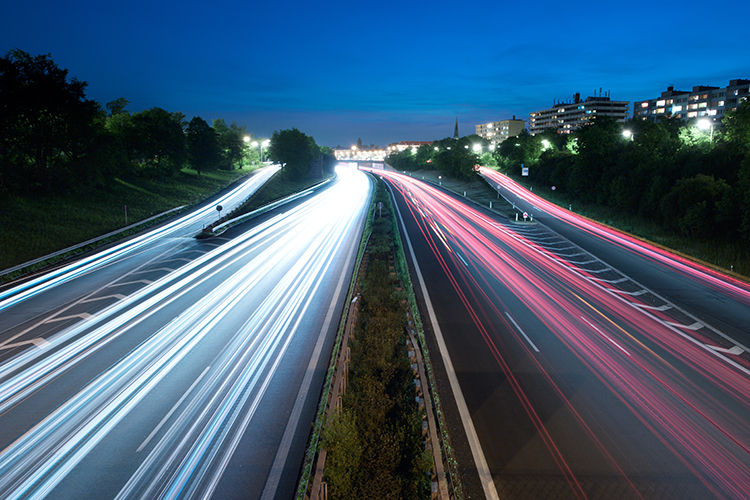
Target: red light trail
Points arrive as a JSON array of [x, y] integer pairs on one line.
[[690, 389]]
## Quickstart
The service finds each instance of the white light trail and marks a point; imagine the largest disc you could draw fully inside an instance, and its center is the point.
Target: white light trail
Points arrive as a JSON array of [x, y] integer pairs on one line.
[[80, 267], [190, 456]]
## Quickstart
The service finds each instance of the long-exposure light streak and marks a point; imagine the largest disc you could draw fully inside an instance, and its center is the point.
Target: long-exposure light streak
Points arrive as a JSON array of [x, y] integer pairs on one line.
[[188, 458], [670, 379], [80, 267], [725, 283]]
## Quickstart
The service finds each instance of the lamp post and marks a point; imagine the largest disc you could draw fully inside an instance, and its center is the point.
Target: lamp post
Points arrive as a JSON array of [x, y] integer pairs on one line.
[[255, 144], [246, 139], [706, 124], [627, 134]]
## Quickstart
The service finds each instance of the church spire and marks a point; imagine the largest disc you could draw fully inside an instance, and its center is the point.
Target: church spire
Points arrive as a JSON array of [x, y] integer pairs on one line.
[[455, 133]]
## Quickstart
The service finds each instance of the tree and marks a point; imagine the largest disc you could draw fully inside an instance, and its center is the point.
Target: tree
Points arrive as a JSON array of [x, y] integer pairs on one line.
[[46, 123], [203, 145], [117, 106], [403, 160], [694, 206], [293, 150], [231, 142], [157, 142], [460, 159], [737, 127]]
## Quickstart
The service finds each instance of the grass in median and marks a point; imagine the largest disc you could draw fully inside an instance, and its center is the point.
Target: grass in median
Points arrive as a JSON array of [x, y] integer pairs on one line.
[[32, 227], [374, 443]]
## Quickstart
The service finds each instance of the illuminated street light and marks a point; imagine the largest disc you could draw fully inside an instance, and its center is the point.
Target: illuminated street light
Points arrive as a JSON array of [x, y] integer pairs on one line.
[[706, 124], [255, 144], [627, 134], [262, 144], [546, 144], [478, 148], [246, 139]]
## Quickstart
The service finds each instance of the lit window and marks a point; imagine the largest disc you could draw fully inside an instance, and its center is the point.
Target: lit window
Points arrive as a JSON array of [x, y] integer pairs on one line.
[[692, 114], [660, 103], [677, 109], [644, 104]]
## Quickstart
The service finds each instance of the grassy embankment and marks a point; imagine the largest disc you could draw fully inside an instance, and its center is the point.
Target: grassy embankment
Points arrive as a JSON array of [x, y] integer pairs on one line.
[[31, 227], [728, 256]]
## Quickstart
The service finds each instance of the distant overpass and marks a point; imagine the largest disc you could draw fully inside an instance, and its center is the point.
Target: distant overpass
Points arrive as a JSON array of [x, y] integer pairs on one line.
[[367, 164]]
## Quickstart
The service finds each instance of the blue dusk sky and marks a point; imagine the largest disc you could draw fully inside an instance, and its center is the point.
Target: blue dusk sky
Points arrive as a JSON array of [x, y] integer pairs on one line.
[[381, 71]]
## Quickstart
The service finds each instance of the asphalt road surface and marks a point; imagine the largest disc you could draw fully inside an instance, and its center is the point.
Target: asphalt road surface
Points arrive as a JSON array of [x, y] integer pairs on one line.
[[174, 367], [584, 364]]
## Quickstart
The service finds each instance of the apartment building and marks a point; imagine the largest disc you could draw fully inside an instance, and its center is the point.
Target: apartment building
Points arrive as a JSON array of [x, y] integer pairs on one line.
[[497, 132], [701, 101], [565, 117]]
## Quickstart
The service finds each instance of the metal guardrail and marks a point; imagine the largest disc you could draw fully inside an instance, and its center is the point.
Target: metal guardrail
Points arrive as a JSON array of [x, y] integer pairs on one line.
[[86, 243], [217, 230]]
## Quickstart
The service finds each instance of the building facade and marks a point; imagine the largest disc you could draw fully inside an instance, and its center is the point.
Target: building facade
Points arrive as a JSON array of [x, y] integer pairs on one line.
[[566, 117], [404, 145], [701, 101], [362, 154], [497, 132]]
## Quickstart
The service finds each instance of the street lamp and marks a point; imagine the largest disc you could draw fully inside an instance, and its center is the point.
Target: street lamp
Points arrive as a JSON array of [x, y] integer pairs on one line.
[[255, 144], [627, 134], [246, 139], [706, 124], [478, 148]]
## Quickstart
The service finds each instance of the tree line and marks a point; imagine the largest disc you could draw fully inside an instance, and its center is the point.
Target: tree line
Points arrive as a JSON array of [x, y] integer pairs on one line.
[[55, 140], [691, 181], [455, 158]]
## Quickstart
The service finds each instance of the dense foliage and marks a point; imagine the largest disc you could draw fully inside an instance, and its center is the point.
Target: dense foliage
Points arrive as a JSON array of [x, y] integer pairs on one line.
[[694, 182], [54, 140], [455, 158], [294, 151]]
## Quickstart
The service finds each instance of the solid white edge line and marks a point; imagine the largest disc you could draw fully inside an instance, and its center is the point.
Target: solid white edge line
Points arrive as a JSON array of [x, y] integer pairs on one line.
[[274, 476], [522, 332], [477, 453]]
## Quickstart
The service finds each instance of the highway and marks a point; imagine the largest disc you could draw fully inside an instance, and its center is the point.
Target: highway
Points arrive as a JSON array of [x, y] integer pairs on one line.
[[583, 363], [170, 367]]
